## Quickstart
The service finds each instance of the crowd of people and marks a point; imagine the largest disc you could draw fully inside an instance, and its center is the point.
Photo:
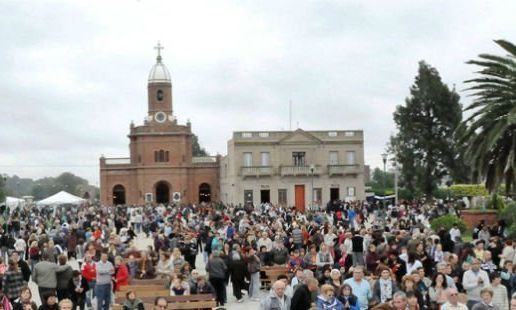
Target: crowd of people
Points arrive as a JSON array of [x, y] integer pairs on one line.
[[348, 255]]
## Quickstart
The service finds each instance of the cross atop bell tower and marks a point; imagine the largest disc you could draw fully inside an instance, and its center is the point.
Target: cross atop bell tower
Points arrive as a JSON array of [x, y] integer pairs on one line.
[[159, 47]]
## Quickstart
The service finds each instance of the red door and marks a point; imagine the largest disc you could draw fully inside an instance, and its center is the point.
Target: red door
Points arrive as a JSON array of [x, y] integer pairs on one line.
[[300, 197]]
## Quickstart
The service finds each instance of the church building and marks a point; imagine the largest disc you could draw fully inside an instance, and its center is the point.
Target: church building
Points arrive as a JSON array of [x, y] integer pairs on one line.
[[160, 167]]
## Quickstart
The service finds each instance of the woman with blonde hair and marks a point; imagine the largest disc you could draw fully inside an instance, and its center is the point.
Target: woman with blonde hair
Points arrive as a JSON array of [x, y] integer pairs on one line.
[[34, 254], [177, 259], [408, 285], [326, 299]]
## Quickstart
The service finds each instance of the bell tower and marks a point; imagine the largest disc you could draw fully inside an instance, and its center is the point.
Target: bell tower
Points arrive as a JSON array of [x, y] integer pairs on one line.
[[159, 90]]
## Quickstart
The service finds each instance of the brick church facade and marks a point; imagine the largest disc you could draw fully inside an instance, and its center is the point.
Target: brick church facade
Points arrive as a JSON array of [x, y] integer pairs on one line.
[[161, 168]]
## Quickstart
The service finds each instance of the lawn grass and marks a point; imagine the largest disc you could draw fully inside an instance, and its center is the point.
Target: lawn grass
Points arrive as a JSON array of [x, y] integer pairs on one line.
[[466, 236]]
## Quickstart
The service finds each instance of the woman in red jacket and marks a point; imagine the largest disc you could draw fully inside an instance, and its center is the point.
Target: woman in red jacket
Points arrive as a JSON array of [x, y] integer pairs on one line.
[[121, 273]]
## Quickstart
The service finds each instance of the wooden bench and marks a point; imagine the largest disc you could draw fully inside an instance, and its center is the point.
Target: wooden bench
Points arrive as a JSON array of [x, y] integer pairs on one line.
[[157, 281], [201, 301], [138, 288], [141, 291], [271, 274]]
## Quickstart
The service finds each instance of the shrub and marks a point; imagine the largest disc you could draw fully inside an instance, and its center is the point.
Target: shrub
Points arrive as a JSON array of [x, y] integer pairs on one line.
[[447, 221], [441, 193], [496, 202], [468, 190], [508, 214]]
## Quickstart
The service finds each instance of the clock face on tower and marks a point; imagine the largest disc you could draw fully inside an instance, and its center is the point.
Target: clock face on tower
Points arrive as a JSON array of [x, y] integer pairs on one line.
[[160, 117]]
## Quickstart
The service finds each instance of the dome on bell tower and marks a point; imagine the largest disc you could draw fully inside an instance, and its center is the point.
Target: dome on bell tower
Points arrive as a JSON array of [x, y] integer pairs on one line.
[[159, 72]]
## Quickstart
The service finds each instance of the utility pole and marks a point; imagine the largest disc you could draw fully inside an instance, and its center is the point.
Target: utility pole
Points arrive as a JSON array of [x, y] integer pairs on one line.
[[290, 115], [395, 184]]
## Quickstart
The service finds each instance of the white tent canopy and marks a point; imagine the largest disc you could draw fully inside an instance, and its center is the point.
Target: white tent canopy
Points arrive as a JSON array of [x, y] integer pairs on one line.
[[13, 202], [61, 198]]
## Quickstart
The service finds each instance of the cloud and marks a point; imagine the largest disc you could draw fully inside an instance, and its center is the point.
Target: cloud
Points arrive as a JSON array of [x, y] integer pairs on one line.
[[74, 73]]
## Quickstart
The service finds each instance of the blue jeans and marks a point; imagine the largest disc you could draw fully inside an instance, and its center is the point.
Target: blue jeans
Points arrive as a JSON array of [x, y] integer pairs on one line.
[[103, 292], [90, 294]]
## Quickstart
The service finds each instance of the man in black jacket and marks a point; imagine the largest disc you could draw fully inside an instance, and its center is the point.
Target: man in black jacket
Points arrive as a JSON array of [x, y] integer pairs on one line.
[[302, 299]]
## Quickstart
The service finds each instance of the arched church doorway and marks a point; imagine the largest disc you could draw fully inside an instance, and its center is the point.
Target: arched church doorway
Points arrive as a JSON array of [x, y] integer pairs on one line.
[[204, 192], [119, 195], [162, 192]]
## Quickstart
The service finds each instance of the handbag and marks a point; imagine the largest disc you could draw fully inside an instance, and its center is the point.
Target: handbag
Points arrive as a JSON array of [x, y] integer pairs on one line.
[[6, 303]]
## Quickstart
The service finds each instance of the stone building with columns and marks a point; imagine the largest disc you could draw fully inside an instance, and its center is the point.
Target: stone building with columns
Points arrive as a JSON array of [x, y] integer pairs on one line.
[[293, 168], [160, 167]]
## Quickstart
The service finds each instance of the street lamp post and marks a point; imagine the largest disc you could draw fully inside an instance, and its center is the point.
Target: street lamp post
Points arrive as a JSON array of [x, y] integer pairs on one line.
[[384, 158], [312, 170]]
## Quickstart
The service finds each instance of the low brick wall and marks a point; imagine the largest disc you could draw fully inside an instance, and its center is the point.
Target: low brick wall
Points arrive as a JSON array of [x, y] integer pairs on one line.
[[473, 217]]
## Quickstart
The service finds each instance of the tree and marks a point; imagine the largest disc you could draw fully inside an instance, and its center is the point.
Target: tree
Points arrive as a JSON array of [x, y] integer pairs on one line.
[[381, 183], [2, 188], [197, 151], [44, 187], [378, 178], [425, 145], [490, 132], [69, 182], [18, 187]]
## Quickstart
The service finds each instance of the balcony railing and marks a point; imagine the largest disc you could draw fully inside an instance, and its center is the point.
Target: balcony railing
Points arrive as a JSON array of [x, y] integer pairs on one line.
[[257, 171], [118, 161], [343, 169], [300, 170], [204, 160]]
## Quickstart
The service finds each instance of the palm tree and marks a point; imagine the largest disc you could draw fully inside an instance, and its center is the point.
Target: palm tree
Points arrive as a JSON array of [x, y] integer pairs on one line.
[[490, 132]]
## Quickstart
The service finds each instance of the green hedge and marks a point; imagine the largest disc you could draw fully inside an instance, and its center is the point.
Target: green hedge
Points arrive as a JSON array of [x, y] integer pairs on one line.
[[468, 190], [446, 222]]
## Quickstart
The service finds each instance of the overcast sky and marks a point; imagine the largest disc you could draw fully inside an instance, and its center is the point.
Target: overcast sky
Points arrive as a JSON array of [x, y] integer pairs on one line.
[[73, 74]]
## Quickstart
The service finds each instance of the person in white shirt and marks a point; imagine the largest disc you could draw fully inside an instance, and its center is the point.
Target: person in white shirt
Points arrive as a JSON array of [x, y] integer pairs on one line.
[[500, 298], [453, 301], [265, 241], [455, 232], [473, 281]]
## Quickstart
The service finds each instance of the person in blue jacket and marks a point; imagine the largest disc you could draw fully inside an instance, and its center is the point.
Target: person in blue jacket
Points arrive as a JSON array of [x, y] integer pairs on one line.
[[326, 300]]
